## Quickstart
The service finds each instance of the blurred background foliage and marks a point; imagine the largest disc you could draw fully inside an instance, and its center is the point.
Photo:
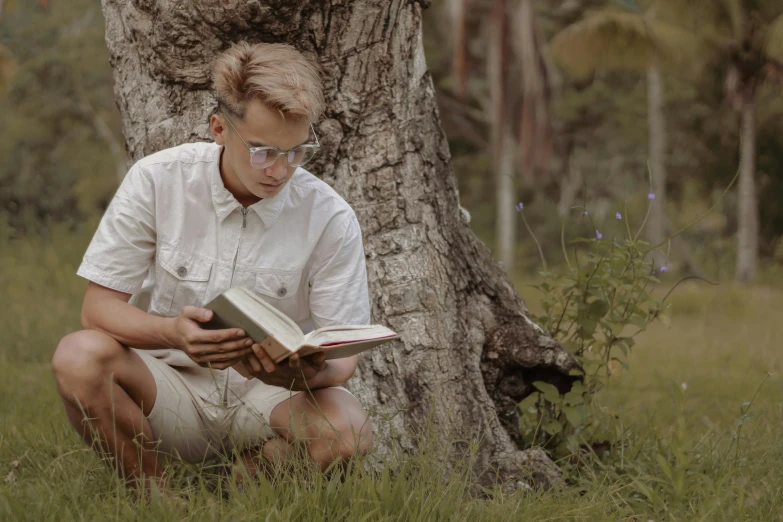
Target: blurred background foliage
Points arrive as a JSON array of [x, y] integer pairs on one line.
[[60, 142], [593, 63], [565, 126]]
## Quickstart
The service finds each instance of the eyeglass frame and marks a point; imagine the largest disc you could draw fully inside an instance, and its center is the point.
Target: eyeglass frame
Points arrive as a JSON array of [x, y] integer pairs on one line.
[[253, 150]]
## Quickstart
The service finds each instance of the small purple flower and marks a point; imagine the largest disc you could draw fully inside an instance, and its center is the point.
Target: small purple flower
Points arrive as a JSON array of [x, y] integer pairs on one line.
[[618, 216], [519, 206], [664, 268], [650, 196], [598, 234], [585, 213]]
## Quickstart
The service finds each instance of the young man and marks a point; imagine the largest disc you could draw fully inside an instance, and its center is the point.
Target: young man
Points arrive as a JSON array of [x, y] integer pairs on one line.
[[190, 222]]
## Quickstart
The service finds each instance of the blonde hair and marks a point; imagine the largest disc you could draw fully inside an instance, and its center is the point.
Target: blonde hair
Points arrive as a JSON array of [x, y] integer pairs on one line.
[[276, 74]]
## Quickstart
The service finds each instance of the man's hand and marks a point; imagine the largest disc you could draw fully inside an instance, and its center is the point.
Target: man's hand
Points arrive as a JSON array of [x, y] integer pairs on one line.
[[217, 349], [296, 373]]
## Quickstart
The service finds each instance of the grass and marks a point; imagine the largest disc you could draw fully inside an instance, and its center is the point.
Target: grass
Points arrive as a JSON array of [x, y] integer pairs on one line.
[[674, 414]]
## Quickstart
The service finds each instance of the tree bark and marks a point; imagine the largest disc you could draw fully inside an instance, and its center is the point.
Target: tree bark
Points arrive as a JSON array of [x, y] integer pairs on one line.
[[747, 213], [468, 352]]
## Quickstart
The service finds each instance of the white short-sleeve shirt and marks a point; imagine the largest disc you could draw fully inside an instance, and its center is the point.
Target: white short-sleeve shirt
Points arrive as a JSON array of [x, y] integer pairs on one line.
[[173, 228]]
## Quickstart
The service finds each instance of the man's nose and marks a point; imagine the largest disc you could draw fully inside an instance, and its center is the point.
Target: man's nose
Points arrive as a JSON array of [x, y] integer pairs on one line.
[[279, 169]]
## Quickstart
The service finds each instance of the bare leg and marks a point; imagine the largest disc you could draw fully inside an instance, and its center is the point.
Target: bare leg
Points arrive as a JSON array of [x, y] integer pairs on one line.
[[275, 452], [331, 423], [108, 391]]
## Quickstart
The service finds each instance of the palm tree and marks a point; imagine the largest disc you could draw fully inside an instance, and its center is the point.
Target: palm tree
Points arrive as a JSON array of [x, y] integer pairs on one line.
[[519, 81], [743, 37], [459, 66], [516, 103], [502, 142], [605, 26]]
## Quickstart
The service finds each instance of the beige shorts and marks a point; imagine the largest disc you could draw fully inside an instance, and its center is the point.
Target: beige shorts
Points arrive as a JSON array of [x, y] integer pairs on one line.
[[201, 414]]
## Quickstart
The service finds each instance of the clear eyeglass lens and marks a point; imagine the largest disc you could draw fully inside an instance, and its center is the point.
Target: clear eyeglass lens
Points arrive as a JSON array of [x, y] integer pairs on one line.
[[300, 155], [296, 157], [262, 158]]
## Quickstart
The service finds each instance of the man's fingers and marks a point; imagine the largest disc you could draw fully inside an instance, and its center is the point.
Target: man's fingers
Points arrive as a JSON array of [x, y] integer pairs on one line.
[[294, 362], [242, 369], [315, 362], [266, 361], [224, 356], [201, 315], [255, 364], [229, 346], [218, 336], [318, 360]]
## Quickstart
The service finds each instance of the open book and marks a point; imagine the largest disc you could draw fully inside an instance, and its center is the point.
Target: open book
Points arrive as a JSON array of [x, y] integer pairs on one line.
[[280, 336]]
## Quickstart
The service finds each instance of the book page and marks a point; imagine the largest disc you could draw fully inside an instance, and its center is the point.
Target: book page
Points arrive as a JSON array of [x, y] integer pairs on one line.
[[340, 350], [347, 334], [282, 327]]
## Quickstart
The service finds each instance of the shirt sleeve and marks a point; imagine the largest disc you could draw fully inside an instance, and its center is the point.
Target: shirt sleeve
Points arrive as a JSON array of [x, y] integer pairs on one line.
[[123, 247], [339, 293]]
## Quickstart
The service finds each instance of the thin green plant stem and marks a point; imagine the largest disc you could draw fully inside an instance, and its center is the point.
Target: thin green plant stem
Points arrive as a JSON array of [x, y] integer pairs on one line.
[[540, 250], [565, 308], [649, 205], [589, 216], [590, 279], [686, 279], [640, 330], [563, 246], [744, 413], [705, 214], [114, 425]]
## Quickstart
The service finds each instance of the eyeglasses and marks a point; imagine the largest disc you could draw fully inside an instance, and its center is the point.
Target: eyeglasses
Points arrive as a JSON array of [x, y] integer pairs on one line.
[[263, 157]]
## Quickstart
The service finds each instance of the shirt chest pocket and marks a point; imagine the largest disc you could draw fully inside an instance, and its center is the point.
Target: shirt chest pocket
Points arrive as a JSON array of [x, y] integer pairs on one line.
[[182, 279], [280, 288]]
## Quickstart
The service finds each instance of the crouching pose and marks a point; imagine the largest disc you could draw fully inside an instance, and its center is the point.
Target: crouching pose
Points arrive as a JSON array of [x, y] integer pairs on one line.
[[143, 378]]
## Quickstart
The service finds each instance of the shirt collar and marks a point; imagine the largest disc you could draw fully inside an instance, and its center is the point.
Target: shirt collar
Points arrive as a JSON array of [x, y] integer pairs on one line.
[[268, 209]]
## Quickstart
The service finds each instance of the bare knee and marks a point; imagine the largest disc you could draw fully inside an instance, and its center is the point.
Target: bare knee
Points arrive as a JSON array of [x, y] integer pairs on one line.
[[347, 427], [84, 358]]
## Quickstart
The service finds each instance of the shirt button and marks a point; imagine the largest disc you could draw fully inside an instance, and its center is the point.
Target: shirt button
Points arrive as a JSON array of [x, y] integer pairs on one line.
[[182, 271], [282, 292]]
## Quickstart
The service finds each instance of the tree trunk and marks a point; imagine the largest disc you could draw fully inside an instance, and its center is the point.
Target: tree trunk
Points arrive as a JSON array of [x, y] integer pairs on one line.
[[533, 93], [503, 146], [505, 199], [656, 231], [6, 62], [459, 61], [468, 352], [747, 213], [658, 225]]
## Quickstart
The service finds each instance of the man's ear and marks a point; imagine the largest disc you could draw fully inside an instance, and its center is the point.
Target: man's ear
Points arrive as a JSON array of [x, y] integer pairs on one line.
[[217, 127]]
